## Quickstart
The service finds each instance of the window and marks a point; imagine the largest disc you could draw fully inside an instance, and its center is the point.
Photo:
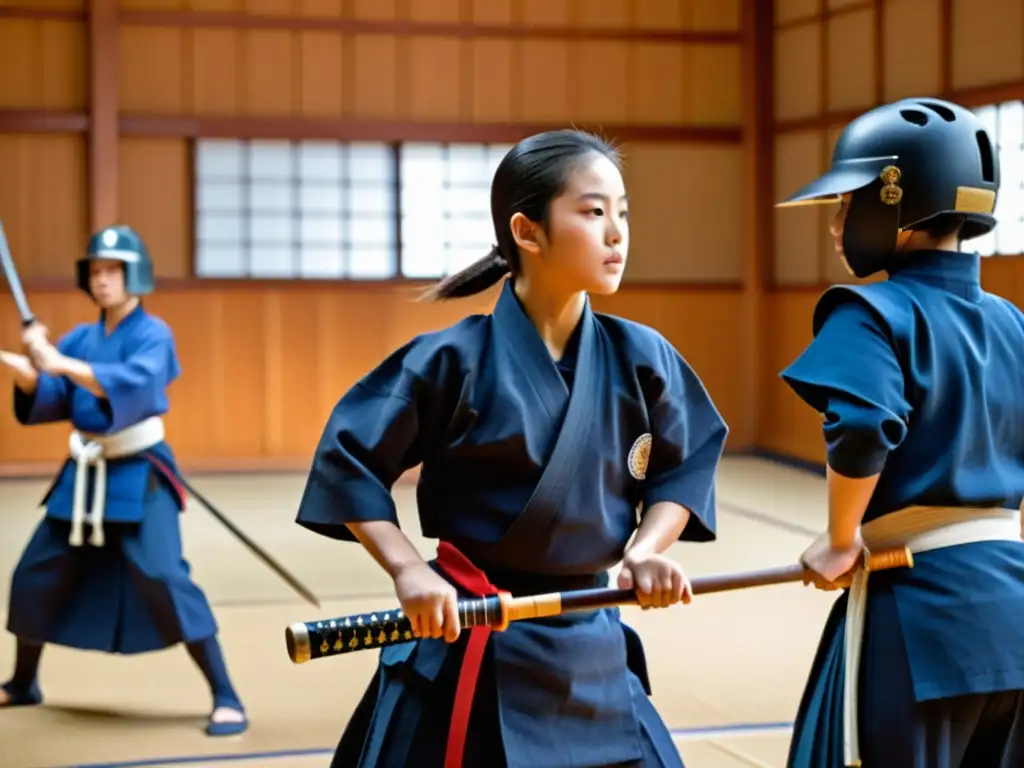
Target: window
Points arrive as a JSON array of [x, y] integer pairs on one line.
[[1005, 124], [446, 206], [279, 209], [331, 210]]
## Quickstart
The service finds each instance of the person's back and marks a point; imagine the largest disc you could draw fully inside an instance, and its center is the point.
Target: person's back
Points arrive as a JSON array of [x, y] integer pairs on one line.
[[961, 353], [919, 380]]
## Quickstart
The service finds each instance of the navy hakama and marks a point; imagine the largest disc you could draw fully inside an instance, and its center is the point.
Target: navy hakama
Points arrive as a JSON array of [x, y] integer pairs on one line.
[[918, 378], [532, 474], [124, 587]]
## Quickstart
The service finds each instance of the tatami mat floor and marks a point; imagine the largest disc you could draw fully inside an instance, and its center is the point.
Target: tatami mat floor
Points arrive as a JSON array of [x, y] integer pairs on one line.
[[727, 670]]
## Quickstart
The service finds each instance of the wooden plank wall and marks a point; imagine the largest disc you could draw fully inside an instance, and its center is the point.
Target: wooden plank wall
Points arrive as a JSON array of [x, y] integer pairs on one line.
[[835, 59], [100, 102]]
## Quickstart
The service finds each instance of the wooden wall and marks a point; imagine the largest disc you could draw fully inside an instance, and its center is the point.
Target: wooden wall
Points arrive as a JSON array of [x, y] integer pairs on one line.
[[833, 60], [100, 103]]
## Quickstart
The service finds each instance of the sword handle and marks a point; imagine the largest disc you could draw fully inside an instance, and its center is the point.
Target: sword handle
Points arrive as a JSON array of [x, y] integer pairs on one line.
[[333, 637]]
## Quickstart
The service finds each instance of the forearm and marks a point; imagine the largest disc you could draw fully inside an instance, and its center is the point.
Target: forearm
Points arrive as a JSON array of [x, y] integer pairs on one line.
[[387, 545], [660, 528], [81, 373], [848, 499]]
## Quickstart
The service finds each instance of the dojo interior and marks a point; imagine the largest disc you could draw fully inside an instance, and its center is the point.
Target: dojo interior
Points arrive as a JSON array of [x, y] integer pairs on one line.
[[155, 112]]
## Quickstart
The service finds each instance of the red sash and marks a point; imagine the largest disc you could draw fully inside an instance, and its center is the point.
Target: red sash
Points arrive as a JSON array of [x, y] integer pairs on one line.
[[471, 579]]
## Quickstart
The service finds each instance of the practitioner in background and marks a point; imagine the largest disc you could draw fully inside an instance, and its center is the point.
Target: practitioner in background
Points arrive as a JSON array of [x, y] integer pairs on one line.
[[104, 569]]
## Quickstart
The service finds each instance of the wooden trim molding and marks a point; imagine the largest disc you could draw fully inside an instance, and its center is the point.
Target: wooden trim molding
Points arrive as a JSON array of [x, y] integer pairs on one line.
[[343, 129], [968, 97], [14, 120], [43, 14], [191, 19]]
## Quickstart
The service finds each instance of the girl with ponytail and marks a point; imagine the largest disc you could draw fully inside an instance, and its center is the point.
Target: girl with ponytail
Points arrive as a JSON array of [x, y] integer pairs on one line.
[[540, 429]]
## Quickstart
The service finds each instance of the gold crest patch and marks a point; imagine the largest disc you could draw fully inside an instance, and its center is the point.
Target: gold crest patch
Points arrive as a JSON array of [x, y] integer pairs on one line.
[[639, 455]]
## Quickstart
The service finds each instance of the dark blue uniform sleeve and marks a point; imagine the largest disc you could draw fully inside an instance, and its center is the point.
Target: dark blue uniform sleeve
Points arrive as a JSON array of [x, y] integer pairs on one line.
[[851, 375], [375, 433], [51, 401], [688, 437], [136, 387]]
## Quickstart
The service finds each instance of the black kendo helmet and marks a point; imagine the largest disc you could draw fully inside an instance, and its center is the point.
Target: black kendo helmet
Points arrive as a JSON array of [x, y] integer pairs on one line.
[[908, 165], [119, 244]]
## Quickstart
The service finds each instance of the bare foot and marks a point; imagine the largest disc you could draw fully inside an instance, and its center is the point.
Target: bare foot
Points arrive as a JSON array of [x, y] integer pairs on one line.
[[5, 698], [227, 715]]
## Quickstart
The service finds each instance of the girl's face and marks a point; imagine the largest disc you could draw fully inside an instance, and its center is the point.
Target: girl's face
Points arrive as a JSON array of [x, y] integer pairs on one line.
[[587, 239], [106, 283]]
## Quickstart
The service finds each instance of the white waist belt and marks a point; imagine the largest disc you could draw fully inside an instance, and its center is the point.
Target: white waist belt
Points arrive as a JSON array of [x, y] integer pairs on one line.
[[95, 450], [920, 529]]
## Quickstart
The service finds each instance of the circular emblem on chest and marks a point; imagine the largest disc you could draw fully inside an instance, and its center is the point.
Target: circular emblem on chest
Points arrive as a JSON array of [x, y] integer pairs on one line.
[[639, 455]]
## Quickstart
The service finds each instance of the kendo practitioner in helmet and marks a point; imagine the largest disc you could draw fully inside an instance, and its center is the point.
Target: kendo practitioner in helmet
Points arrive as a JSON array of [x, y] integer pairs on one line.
[[919, 379], [104, 569]]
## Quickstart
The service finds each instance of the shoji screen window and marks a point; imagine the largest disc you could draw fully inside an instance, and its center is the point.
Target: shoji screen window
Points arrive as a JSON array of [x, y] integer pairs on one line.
[[446, 206], [295, 210]]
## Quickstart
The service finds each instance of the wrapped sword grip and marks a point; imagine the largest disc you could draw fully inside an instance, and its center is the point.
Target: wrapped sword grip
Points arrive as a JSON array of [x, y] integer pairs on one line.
[[332, 637]]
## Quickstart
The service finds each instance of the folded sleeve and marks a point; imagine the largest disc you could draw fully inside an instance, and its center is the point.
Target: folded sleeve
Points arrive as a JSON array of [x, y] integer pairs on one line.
[[136, 387], [687, 440], [850, 373], [376, 432]]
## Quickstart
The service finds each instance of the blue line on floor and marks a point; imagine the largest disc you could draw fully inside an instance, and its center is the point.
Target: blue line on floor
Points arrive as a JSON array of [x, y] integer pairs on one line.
[[686, 734]]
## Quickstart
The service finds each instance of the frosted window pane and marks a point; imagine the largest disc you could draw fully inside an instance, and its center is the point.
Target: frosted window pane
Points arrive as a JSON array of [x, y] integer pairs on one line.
[[472, 232], [422, 260], [326, 199], [1010, 236], [219, 260], [469, 164], [419, 152], [224, 228], [368, 231], [270, 160], [1011, 125], [1011, 165], [270, 196], [322, 161], [379, 201], [321, 261], [371, 162], [219, 196], [467, 199], [371, 263], [423, 170], [272, 261], [219, 158], [460, 258], [423, 197], [984, 245], [321, 230], [271, 230], [419, 232]]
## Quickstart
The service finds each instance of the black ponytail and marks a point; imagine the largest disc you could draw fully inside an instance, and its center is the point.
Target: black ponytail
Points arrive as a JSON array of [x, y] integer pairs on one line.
[[533, 173], [476, 278]]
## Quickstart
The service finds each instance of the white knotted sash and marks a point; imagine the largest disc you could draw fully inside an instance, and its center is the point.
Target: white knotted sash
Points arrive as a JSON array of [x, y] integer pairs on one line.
[[94, 451], [920, 529]]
